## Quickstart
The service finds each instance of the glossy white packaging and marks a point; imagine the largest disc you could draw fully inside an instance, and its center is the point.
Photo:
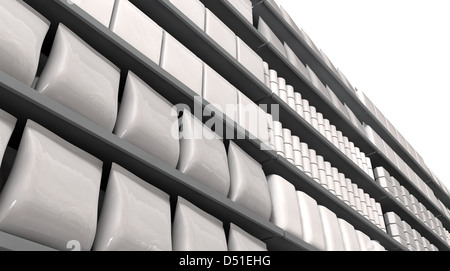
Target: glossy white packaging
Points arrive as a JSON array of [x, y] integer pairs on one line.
[[351, 194], [306, 162], [181, 63], [344, 189], [51, 195], [314, 165], [337, 183], [195, 230], [240, 240], [22, 33], [268, 33], [248, 182], [136, 28], [314, 120], [321, 123], [153, 135], [306, 111], [299, 104], [341, 141], [249, 59], [101, 10], [330, 180], [221, 33], [327, 126], [322, 172], [285, 209], [288, 148], [291, 97], [7, 124], [334, 137], [348, 232], [332, 232], [282, 92], [311, 221], [298, 160], [135, 215], [81, 79], [205, 158]]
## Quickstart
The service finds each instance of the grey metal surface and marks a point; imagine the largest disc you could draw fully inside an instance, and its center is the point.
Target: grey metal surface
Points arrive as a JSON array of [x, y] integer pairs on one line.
[[14, 243]]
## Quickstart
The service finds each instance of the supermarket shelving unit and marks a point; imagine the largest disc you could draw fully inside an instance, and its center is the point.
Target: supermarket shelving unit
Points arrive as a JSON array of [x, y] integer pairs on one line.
[[25, 103]]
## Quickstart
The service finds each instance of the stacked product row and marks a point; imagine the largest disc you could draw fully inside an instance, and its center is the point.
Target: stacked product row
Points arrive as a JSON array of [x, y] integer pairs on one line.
[[193, 72], [226, 38], [359, 94], [136, 215], [204, 19], [406, 235], [286, 51], [149, 39], [83, 72], [74, 71], [364, 99], [306, 71], [444, 209], [316, 167], [402, 195], [439, 183], [58, 203], [388, 152], [308, 74], [299, 214], [265, 30], [233, 174], [404, 169], [216, 29], [316, 119]]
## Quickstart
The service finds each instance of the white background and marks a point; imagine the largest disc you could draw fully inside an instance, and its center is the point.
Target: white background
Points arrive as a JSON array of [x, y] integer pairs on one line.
[[397, 52]]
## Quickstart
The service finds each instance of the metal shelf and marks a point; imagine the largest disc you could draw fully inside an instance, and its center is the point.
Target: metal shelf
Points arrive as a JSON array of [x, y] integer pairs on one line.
[[198, 42], [299, 126], [308, 56], [390, 204], [347, 127], [247, 32], [304, 183], [179, 26], [165, 14], [379, 159], [291, 120], [26, 103], [173, 21], [106, 146], [9, 242]]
